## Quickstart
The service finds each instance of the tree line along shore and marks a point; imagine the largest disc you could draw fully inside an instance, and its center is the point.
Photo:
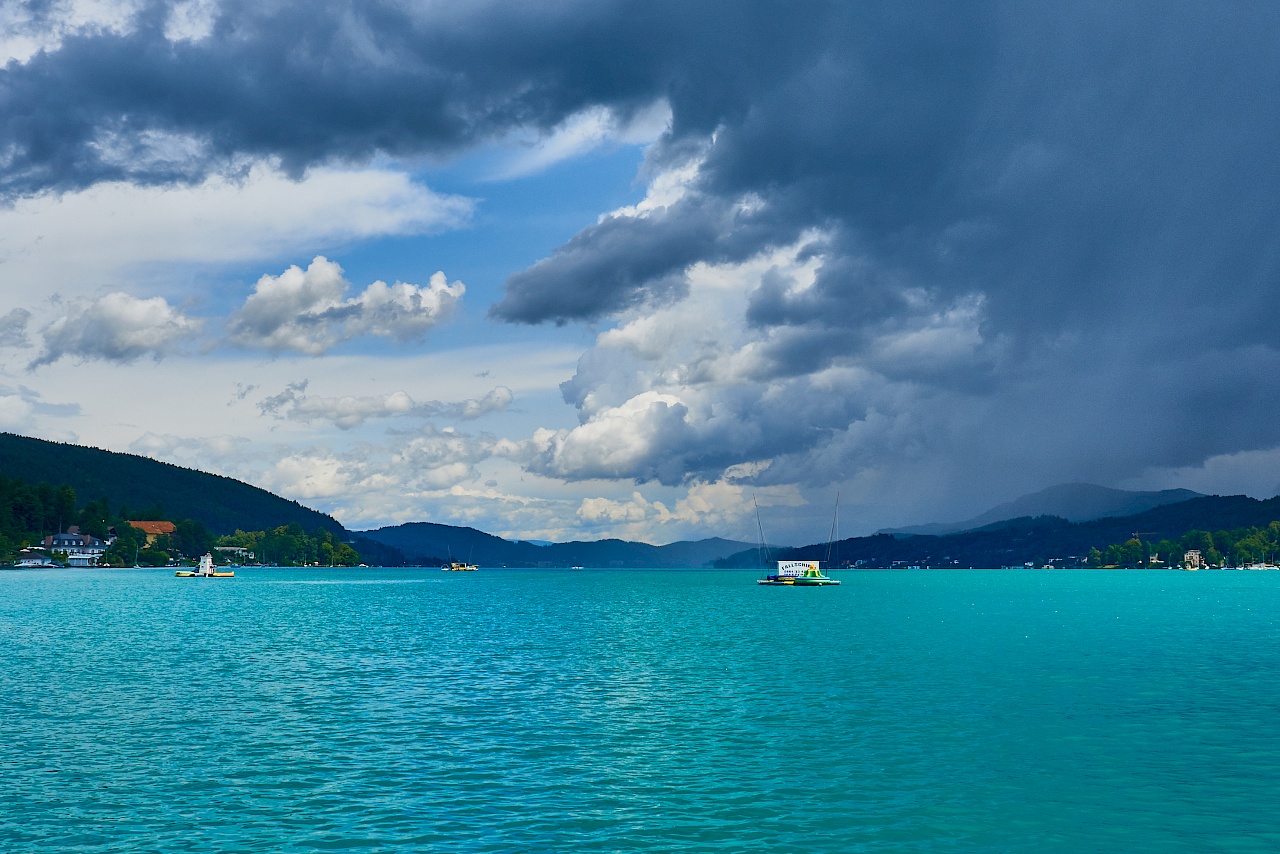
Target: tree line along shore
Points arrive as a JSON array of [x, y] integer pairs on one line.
[[1205, 532], [36, 519], [1208, 531]]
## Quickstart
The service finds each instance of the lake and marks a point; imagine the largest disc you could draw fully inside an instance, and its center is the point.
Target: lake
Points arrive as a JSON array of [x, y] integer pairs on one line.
[[623, 710]]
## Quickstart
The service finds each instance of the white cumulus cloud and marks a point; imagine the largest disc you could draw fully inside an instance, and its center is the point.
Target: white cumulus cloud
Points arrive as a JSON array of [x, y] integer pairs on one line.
[[117, 327], [618, 441], [722, 506], [308, 311], [116, 235]]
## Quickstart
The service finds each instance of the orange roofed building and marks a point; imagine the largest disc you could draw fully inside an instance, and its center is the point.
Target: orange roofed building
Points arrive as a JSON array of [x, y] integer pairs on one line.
[[153, 529]]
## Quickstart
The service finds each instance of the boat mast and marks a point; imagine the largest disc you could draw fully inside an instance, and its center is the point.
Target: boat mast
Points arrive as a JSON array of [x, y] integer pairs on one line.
[[764, 547], [835, 532]]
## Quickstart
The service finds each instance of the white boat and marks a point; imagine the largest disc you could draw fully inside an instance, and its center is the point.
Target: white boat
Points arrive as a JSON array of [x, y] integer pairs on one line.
[[35, 562], [454, 566]]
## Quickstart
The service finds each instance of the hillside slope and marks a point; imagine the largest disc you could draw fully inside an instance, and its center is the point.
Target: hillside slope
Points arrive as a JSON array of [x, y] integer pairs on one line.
[[1075, 502], [1038, 539], [220, 503], [429, 542]]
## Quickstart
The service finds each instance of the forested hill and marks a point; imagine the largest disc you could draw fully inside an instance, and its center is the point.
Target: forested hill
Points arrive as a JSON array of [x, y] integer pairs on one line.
[[125, 480], [428, 542], [1039, 540]]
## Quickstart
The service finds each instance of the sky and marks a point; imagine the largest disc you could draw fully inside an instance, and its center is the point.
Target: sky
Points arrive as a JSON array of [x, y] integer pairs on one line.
[[575, 270]]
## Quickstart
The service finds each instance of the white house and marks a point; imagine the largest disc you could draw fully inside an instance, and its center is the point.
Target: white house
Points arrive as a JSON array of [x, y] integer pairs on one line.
[[80, 549]]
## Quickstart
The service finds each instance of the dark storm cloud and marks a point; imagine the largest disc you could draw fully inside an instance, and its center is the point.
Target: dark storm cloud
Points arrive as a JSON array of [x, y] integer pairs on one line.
[[309, 82], [863, 126], [1068, 164], [1095, 184], [624, 260], [1061, 209]]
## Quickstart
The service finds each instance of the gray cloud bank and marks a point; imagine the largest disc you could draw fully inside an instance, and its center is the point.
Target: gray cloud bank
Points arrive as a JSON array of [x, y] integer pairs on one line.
[[117, 327], [348, 412], [311, 82], [1083, 196], [1042, 239], [13, 328]]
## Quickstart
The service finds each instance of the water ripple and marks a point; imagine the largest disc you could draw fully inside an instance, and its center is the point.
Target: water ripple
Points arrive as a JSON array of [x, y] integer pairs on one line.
[[378, 710]]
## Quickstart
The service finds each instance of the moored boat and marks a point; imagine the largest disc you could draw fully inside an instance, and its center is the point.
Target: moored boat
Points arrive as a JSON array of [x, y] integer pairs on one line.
[[454, 566], [36, 562]]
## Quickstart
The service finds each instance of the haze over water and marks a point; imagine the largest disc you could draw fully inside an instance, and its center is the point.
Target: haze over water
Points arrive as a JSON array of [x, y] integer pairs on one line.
[[531, 710]]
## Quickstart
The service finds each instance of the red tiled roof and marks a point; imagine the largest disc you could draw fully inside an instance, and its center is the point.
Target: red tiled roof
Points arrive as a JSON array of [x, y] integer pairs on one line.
[[154, 527]]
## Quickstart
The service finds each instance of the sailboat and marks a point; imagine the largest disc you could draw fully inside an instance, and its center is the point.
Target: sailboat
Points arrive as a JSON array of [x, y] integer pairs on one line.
[[798, 573]]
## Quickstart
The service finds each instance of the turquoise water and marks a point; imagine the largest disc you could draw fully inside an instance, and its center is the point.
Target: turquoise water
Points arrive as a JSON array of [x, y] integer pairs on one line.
[[530, 710]]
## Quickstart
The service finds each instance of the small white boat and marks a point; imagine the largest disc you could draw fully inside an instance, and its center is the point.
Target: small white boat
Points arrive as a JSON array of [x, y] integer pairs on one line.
[[35, 562]]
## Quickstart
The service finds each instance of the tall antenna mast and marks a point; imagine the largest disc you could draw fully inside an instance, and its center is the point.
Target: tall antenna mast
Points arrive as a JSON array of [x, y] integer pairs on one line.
[[835, 530], [764, 547]]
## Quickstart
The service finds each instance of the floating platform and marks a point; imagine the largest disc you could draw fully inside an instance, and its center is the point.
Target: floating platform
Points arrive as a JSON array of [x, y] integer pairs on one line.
[[203, 570], [797, 573]]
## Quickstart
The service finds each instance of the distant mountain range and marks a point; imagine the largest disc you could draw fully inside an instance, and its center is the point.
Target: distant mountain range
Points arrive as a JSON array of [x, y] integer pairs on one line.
[[428, 544], [1075, 502], [1013, 542], [1059, 521]]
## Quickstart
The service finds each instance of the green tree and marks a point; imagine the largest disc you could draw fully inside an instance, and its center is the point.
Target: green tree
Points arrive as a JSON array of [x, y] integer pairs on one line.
[[1201, 540], [153, 513], [64, 507], [128, 544], [1168, 552], [1132, 552], [48, 509], [93, 519], [192, 539], [1252, 546], [153, 557], [28, 514]]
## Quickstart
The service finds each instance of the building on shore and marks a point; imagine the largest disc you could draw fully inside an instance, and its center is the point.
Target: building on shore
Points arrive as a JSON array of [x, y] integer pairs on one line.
[[80, 549], [153, 529]]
